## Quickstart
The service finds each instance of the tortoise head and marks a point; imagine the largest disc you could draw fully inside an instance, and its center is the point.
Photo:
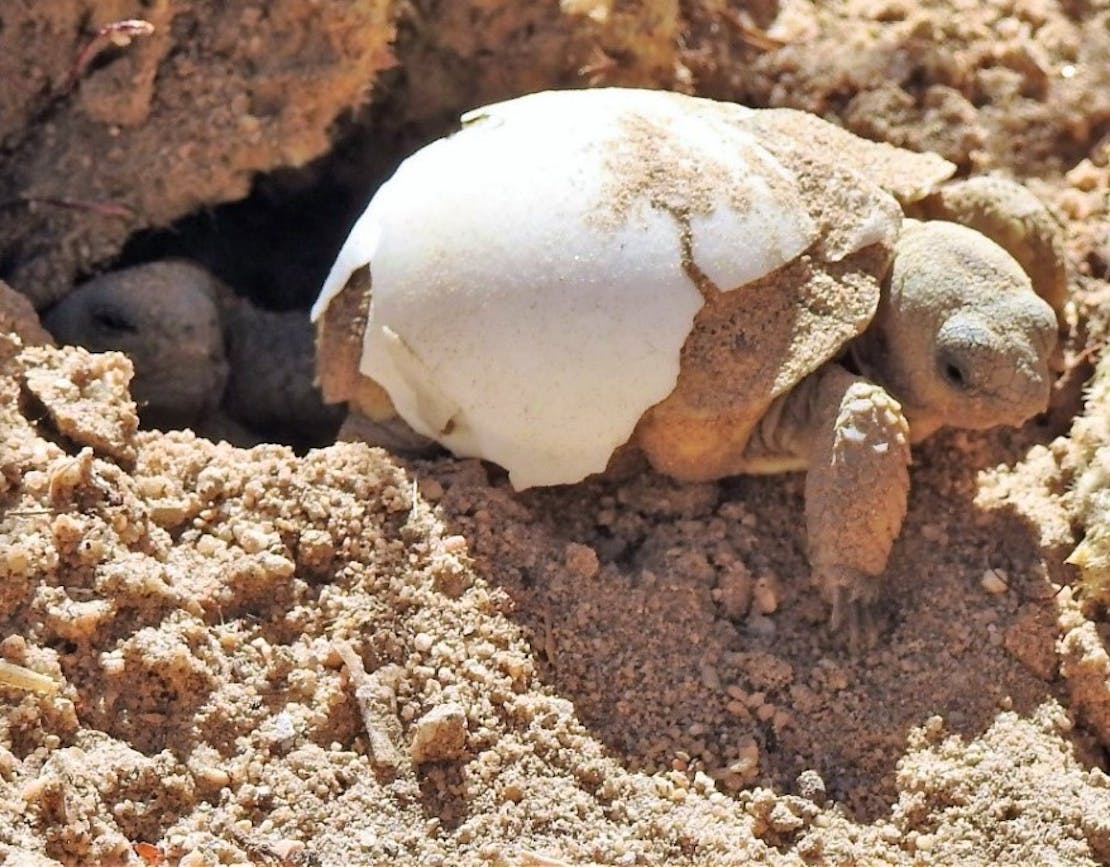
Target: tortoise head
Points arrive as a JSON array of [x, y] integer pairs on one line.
[[165, 317], [960, 338]]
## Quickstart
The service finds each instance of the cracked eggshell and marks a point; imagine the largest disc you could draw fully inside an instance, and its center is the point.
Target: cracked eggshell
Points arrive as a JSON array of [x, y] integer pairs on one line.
[[535, 275]]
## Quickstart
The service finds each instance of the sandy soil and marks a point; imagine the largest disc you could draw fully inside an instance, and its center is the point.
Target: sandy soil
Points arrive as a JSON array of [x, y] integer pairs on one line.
[[262, 657]]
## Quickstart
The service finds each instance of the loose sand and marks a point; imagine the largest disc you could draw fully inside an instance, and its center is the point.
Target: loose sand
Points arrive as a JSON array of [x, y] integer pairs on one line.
[[341, 658]]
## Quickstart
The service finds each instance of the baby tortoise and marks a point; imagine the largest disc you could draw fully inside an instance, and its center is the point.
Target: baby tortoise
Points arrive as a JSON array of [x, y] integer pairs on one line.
[[204, 358], [727, 290]]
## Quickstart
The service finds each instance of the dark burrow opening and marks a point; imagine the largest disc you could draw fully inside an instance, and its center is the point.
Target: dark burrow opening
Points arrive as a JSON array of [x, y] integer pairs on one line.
[[272, 251]]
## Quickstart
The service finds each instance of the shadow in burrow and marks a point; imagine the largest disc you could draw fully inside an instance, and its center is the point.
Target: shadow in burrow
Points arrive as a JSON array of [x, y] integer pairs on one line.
[[648, 604]]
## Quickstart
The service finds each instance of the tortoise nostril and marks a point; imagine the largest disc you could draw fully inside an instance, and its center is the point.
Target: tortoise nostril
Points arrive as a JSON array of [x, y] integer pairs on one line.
[[954, 375]]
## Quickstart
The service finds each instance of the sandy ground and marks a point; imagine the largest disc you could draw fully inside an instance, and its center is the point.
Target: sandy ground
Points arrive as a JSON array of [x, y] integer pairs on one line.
[[263, 657]]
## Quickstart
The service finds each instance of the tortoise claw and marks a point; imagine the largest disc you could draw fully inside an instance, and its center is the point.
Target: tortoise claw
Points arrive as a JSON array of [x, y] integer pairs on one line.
[[856, 617], [858, 623]]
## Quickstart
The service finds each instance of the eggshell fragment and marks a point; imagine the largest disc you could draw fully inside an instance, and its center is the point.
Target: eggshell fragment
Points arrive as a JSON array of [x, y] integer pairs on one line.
[[535, 275]]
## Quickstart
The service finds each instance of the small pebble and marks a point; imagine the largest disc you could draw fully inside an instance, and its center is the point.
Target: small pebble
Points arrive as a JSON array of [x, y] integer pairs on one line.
[[933, 533], [581, 560], [213, 776], [454, 544], [812, 787], [430, 489], [710, 678], [287, 850], [994, 582], [439, 734], [765, 598]]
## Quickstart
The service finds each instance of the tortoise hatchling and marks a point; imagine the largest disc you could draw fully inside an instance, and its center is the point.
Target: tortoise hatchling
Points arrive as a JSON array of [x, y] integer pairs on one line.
[[727, 290], [204, 357]]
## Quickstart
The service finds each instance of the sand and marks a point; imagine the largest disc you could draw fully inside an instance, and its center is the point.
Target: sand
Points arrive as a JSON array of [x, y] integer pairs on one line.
[[340, 657]]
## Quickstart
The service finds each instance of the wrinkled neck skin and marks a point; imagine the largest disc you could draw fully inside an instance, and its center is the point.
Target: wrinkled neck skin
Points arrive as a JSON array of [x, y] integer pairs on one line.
[[870, 357]]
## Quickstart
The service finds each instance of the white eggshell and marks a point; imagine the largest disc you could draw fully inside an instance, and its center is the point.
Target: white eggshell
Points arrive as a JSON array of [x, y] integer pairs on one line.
[[533, 275]]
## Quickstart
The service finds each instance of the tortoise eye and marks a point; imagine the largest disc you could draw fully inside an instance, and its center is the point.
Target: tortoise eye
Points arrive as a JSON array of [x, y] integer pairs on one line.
[[112, 321]]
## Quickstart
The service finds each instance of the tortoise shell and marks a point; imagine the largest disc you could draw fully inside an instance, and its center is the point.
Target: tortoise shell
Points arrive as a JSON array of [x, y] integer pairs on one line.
[[573, 268]]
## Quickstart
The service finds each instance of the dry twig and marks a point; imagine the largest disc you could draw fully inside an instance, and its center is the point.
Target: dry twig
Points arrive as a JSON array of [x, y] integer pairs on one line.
[[118, 33], [377, 703], [22, 677]]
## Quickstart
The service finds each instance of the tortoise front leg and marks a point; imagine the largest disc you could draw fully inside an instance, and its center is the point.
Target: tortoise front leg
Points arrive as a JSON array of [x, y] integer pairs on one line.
[[855, 440], [856, 493]]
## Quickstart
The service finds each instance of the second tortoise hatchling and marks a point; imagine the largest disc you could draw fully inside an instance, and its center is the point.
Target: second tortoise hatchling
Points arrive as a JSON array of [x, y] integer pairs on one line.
[[727, 290], [204, 357]]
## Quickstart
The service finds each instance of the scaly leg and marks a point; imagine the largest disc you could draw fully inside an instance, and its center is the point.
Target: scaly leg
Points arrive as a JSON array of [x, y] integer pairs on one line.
[[856, 443]]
